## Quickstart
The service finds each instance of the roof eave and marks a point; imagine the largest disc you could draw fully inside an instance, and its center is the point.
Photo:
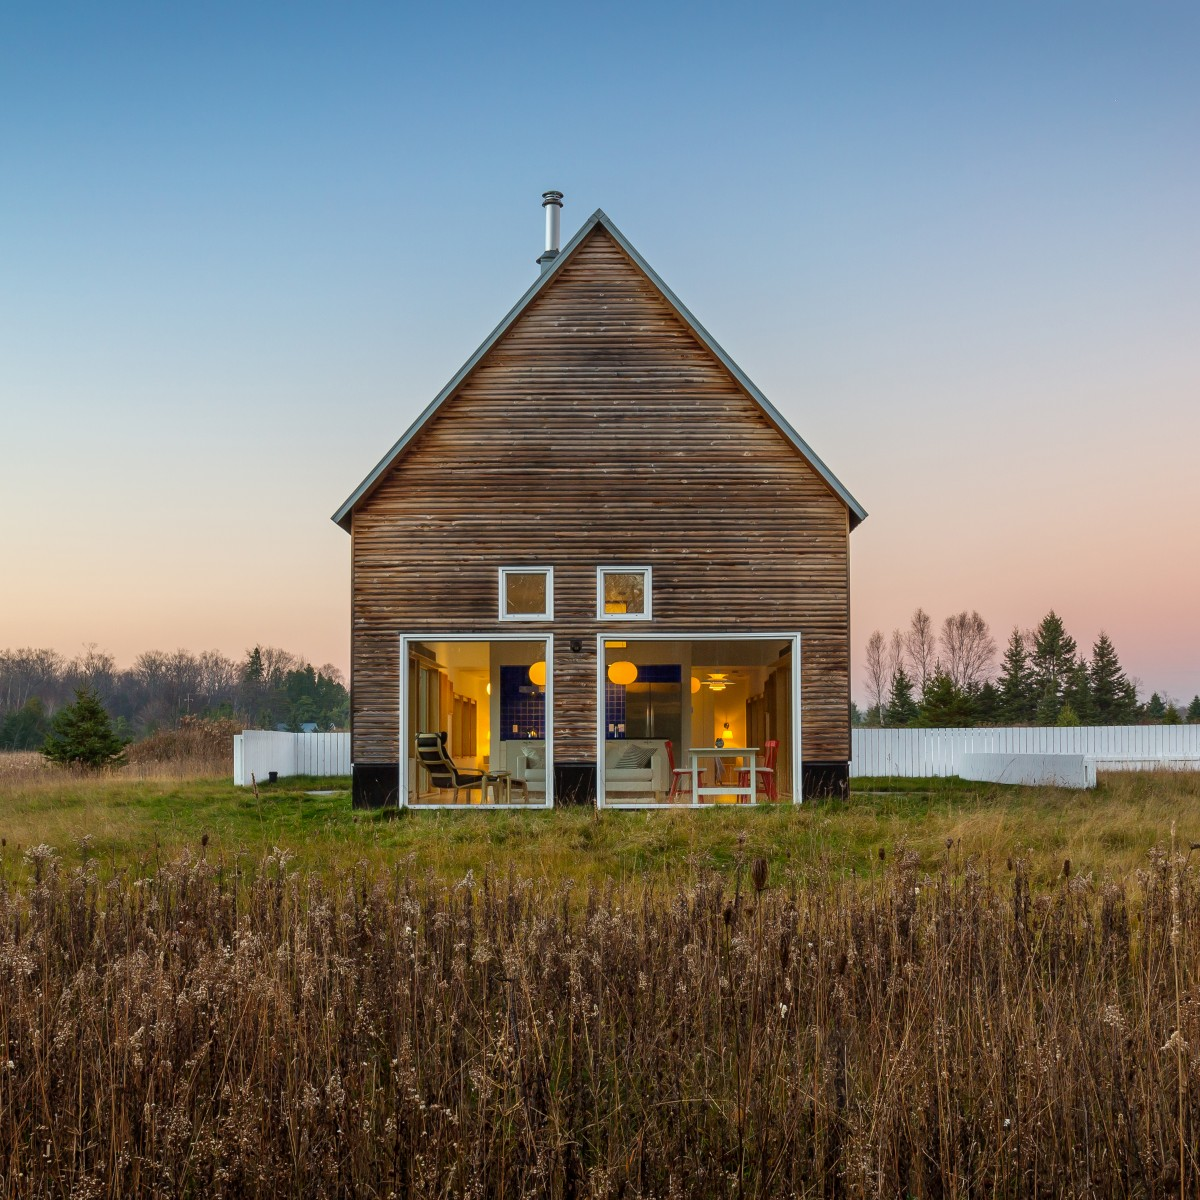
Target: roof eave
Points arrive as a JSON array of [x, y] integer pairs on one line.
[[858, 514], [343, 514]]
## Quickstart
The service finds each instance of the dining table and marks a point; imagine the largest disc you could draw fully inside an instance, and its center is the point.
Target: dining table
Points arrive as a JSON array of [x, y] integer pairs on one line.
[[718, 754]]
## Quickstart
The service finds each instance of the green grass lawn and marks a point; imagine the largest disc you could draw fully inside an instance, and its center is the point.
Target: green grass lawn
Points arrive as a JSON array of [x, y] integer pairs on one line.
[[130, 823]]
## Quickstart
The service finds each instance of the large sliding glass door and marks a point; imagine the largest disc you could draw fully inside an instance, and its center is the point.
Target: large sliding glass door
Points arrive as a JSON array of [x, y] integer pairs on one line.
[[476, 721], [698, 720]]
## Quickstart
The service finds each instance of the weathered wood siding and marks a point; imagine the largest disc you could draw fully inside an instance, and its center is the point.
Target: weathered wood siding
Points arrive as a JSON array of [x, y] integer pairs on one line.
[[599, 431]]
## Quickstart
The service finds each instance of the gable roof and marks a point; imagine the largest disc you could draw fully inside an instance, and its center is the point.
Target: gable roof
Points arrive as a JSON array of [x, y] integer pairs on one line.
[[601, 218]]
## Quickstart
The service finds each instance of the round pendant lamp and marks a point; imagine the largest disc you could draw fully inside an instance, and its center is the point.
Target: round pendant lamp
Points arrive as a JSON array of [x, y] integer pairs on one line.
[[695, 685], [537, 674], [623, 673]]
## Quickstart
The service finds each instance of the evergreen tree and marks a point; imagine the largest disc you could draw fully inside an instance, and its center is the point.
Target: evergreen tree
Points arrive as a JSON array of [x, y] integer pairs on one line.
[[81, 734], [1114, 698], [1067, 715], [1171, 716], [901, 708], [311, 696], [1048, 705], [25, 728], [1018, 699], [1155, 708], [252, 671], [1053, 657], [944, 706], [1193, 712], [253, 691], [856, 717], [1078, 694], [988, 705]]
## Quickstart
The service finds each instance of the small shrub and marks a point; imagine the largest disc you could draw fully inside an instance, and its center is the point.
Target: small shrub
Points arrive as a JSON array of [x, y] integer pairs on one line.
[[82, 735]]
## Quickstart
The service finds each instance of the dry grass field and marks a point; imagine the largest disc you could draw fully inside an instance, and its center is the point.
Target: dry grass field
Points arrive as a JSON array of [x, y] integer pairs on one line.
[[142, 814], [914, 994]]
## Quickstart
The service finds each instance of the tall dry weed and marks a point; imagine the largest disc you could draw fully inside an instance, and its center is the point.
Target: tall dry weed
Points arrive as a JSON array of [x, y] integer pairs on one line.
[[212, 1030]]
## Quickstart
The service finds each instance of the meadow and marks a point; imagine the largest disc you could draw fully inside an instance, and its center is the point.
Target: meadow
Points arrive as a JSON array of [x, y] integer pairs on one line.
[[157, 811], [951, 991]]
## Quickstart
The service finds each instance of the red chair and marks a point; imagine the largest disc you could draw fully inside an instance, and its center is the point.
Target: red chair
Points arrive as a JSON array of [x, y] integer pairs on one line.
[[765, 773], [679, 774]]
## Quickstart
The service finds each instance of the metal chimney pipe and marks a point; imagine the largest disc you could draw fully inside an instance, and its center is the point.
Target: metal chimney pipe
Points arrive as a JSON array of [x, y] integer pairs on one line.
[[552, 203]]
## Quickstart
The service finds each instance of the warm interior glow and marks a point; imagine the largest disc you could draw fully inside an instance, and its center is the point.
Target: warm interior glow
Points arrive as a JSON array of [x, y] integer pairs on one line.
[[537, 674], [696, 685], [623, 673]]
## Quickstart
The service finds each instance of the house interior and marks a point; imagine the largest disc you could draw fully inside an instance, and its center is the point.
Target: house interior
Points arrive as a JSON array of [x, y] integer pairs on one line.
[[705, 712], [680, 716], [489, 697]]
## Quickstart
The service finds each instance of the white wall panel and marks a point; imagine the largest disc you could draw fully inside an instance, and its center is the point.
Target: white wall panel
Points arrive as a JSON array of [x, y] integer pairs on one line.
[[257, 752]]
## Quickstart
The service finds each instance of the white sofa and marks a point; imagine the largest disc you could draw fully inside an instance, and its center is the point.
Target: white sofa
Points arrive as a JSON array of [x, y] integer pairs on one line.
[[628, 783], [526, 760]]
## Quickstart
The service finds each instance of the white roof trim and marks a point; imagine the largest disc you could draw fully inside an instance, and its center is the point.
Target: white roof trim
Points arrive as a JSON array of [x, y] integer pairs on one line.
[[599, 217]]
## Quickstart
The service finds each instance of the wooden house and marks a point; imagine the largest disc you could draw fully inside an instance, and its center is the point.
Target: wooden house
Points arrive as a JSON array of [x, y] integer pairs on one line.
[[602, 564]]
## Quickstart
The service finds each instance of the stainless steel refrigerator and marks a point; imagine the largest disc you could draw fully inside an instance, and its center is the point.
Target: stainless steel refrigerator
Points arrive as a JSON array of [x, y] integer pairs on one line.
[[654, 710]]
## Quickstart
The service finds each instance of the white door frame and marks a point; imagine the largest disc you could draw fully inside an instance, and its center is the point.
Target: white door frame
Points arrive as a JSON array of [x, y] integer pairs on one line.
[[625, 634], [530, 635]]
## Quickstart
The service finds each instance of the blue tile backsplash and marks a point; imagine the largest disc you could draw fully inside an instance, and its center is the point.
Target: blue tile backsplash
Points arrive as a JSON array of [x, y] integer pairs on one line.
[[522, 704]]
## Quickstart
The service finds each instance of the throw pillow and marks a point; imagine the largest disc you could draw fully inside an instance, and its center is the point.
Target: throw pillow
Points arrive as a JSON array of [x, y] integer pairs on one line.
[[535, 757], [635, 758]]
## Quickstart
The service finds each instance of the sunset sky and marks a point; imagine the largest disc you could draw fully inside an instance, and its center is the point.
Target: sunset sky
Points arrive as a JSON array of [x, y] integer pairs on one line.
[[243, 245]]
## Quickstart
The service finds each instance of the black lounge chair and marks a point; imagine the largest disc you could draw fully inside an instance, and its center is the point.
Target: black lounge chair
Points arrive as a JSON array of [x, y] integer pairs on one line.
[[443, 774]]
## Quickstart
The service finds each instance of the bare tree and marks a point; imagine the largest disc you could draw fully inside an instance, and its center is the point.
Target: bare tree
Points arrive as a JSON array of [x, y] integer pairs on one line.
[[277, 663], [218, 677], [95, 669], [970, 649], [878, 679], [920, 648], [895, 655], [28, 672]]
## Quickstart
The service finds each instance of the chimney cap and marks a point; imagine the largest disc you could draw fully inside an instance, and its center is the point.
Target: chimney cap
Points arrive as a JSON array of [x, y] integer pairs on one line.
[[552, 203]]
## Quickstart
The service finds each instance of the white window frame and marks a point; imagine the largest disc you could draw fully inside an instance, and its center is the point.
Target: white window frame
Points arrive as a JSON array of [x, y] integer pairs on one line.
[[538, 569], [402, 800], [603, 802], [647, 593]]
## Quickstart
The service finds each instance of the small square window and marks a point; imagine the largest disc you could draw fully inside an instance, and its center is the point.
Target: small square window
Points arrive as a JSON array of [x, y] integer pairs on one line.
[[623, 593], [526, 593]]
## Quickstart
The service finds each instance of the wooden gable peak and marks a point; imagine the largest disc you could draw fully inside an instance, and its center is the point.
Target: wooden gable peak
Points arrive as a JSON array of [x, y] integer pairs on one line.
[[343, 515]]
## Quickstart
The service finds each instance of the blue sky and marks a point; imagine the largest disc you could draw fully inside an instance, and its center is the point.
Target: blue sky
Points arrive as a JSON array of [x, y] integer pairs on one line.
[[243, 245]]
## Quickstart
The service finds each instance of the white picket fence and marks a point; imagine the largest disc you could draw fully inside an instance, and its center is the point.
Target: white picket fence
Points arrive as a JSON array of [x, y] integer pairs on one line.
[[921, 753], [257, 752]]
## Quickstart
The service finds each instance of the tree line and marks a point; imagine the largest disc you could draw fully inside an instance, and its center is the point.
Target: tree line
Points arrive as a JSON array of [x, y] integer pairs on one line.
[[922, 676], [269, 688]]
